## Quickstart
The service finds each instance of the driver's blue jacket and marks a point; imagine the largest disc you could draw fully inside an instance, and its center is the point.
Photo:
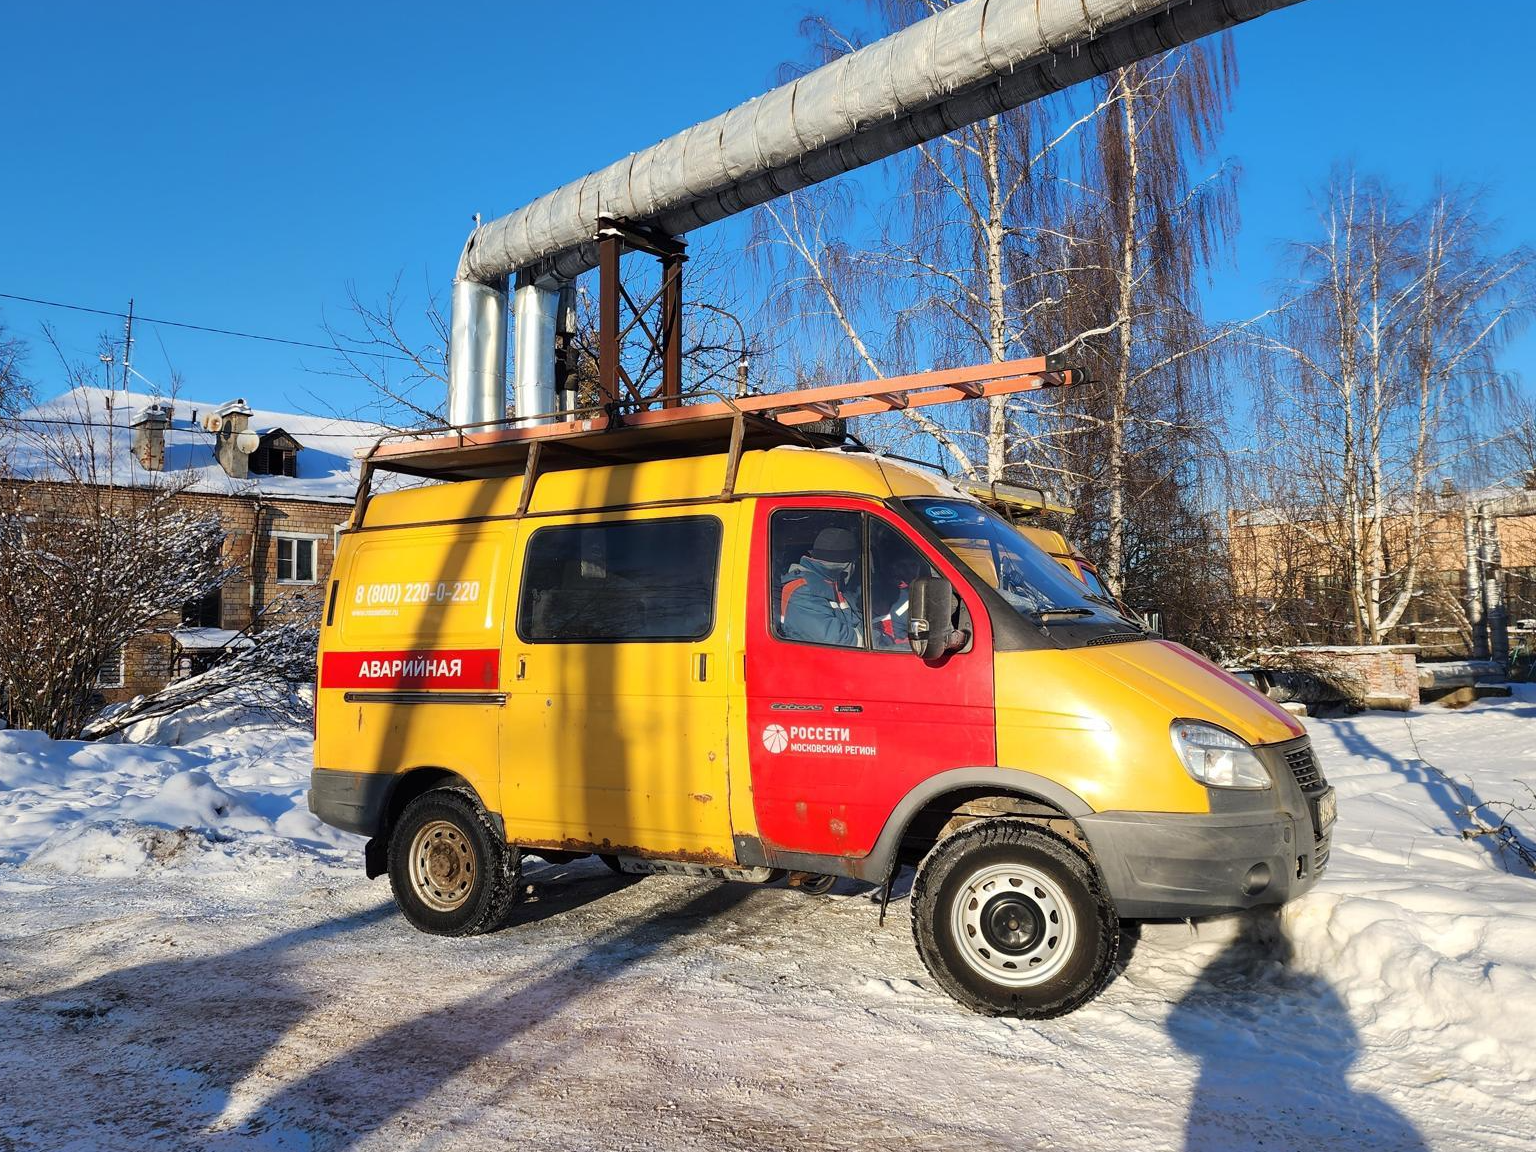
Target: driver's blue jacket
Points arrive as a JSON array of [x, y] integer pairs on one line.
[[814, 606]]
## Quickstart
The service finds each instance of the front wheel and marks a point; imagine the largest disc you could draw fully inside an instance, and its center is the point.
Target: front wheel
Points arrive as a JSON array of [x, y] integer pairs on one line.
[[1012, 921], [450, 872]]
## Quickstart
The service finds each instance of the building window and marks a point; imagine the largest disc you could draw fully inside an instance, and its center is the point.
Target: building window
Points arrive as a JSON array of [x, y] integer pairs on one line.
[[204, 612], [110, 674], [296, 559], [278, 463], [645, 580], [276, 455]]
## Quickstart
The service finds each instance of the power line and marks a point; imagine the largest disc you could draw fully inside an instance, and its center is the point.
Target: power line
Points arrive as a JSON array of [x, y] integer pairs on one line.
[[206, 328]]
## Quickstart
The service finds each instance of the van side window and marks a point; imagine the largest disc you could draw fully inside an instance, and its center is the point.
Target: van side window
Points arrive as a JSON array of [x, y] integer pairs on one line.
[[638, 580], [893, 564], [841, 578]]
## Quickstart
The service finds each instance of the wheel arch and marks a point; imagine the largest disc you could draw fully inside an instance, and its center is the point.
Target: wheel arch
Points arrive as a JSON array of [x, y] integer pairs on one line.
[[405, 787], [951, 799]]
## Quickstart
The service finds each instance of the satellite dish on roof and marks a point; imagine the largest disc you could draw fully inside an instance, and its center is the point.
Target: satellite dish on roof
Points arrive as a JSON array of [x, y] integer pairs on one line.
[[247, 442], [212, 422]]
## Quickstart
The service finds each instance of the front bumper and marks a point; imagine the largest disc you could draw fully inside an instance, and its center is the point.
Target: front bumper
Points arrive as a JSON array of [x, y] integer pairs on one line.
[[1255, 848]]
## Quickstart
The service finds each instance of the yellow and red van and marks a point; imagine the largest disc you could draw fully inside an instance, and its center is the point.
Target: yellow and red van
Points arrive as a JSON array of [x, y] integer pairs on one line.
[[774, 660]]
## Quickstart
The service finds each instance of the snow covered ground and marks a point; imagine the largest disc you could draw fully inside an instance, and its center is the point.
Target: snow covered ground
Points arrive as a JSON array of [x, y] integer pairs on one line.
[[239, 985]]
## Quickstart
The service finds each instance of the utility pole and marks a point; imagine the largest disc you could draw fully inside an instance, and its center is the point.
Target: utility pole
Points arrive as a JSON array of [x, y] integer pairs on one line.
[[128, 345]]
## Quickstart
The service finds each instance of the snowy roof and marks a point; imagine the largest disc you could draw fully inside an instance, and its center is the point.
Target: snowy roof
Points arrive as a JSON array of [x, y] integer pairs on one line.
[[94, 425], [210, 639]]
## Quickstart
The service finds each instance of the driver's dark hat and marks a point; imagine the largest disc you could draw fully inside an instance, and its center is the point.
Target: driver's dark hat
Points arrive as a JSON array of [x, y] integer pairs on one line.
[[835, 546]]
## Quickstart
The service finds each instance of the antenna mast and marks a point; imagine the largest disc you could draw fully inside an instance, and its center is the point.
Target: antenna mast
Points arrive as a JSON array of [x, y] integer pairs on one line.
[[128, 345]]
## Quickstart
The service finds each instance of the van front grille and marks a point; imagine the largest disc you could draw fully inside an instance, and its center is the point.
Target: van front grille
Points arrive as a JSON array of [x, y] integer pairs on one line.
[[1303, 766]]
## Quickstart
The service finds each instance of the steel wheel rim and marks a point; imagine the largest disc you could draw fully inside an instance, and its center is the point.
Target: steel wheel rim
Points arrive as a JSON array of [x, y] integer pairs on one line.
[[442, 866], [1013, 925]]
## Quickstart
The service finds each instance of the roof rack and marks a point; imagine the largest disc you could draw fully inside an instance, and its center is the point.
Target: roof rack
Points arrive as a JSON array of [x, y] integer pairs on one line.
[[721, 424], [1018, 500]]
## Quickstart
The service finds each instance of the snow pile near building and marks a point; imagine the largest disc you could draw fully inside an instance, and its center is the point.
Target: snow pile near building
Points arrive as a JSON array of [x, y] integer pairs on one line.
[[225, 789]]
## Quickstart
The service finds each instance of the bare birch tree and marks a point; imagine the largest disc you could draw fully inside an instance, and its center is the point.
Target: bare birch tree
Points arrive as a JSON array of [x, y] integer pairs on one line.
[[1384, 369], [84, 568], [1078, 224]]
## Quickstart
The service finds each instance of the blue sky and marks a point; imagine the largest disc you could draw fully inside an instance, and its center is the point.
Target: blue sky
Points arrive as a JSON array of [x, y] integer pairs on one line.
[[241, 167]]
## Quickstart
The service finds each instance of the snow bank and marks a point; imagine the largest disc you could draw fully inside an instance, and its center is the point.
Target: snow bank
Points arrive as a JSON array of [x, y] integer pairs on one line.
[[234, 789], [1429, 937]]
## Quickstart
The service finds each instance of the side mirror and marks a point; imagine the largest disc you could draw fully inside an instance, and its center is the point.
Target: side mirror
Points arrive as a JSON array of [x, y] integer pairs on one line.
[[931, 607]]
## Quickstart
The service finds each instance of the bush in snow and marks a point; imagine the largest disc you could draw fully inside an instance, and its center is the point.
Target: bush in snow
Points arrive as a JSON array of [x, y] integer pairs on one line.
[[85, 567], [271, 673]]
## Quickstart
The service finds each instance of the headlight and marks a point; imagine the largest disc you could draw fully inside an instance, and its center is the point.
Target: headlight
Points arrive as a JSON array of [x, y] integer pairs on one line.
[[1217, 758]]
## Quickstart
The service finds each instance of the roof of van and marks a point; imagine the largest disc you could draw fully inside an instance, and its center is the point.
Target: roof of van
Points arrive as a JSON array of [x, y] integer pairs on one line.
[[674, 481]]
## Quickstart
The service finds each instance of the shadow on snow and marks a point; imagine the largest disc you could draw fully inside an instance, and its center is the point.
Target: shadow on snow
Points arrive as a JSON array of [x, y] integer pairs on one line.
[[1274, 1046], [172, 1051]]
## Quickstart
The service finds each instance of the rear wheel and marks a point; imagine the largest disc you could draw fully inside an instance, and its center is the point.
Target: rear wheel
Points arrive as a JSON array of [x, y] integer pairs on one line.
[[1012, 921], [450, 872]]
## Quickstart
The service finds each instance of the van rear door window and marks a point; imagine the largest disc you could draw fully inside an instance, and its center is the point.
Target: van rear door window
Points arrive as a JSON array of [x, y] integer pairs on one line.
[[637, 580]]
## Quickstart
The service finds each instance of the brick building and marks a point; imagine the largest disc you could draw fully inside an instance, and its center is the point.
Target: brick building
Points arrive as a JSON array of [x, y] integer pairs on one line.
[[282, 485], [1280, 565]]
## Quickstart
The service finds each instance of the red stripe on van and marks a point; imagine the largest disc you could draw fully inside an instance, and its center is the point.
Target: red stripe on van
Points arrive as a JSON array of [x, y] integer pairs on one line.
[[457, 668]]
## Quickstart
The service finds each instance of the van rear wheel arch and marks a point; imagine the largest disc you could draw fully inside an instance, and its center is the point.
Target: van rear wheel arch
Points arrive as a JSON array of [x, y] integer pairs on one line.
[[418, 781]]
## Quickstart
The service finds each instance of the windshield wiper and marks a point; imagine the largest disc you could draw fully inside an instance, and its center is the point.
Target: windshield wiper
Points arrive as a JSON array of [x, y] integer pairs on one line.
[[1123, 613], [1045, 614]]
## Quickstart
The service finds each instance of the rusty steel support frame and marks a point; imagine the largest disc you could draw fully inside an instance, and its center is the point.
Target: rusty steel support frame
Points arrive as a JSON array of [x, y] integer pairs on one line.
[[672, 330], [665, 338]]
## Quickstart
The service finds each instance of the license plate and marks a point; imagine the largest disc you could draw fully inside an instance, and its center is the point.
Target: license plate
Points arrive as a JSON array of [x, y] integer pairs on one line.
[[1327, 810]]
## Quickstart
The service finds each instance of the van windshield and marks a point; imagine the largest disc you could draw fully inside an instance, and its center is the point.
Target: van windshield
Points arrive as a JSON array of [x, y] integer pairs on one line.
[[1091, 578], [1025, 576]]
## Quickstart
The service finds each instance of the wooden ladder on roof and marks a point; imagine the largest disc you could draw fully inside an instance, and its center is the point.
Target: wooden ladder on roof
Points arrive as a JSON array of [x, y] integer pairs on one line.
[[803, 406], [617, 436]]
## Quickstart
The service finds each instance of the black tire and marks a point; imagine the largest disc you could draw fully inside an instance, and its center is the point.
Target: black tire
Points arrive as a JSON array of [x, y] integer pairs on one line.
[[613, 864], [450, 872], [1013, 921]]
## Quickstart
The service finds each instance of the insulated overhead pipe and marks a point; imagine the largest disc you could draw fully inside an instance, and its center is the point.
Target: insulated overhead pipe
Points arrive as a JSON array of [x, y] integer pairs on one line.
[[477, 352], [974, 59], [534, 310]]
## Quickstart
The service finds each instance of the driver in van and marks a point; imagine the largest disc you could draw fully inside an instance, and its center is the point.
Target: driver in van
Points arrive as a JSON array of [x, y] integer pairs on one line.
[[819, 601]]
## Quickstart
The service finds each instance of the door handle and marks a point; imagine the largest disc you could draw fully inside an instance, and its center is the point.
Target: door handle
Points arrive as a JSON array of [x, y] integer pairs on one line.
[[522, 667]]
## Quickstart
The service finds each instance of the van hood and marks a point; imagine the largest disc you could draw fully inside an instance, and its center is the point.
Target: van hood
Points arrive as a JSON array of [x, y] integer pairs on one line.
[[1190, 687]]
